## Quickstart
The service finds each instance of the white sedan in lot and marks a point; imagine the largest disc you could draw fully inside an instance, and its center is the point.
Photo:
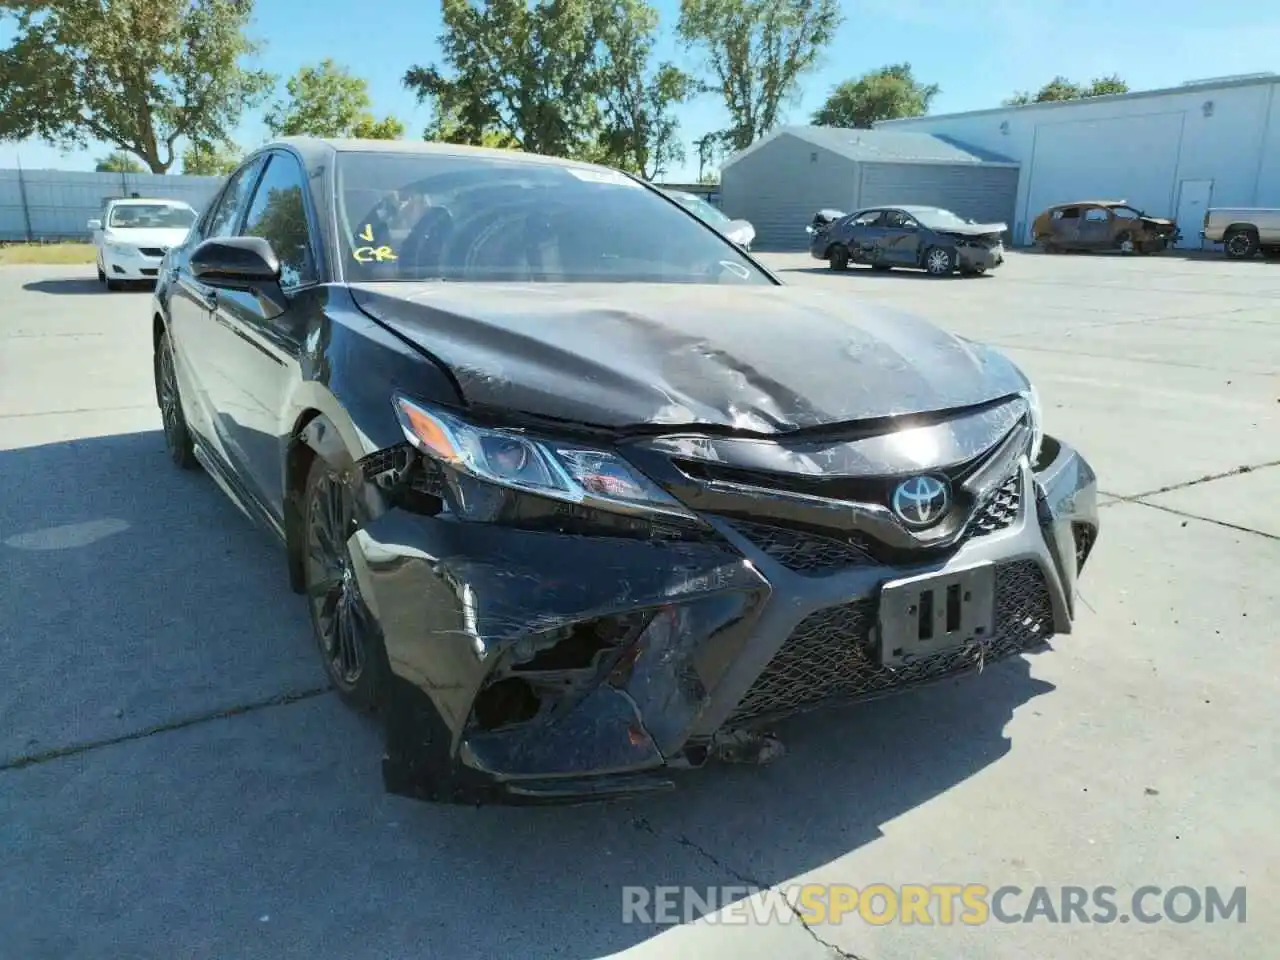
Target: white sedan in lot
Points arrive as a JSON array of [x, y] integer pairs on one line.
[[133, 236]]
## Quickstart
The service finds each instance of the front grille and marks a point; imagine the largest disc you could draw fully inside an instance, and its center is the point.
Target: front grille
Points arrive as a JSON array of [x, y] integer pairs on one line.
[[800, 551], [1001, 510], [829, 655], [815, 554]]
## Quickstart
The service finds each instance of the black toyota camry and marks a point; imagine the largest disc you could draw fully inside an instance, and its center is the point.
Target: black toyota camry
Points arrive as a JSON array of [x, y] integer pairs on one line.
[[578, 493]]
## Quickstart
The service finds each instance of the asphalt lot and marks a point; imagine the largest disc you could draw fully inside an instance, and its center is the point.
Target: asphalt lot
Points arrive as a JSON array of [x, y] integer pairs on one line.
[[175, 783]]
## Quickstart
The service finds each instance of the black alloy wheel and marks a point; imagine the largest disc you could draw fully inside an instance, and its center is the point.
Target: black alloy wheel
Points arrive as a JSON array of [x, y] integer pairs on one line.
[[839, 257], [177, 438], [348, 636]]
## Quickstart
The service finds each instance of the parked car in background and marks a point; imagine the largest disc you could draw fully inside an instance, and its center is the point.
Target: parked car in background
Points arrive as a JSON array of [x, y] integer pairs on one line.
[[924, 238], [580, 496], [1244, 232], [1101, 225], [132, 237], [740, 232]]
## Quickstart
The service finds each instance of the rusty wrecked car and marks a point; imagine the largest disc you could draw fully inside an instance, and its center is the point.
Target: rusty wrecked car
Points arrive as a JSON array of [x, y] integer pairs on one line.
[[1102, 225], [574, 508]]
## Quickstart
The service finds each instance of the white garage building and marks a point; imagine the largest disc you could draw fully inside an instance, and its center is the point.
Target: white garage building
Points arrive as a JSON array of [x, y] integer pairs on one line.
[[1170, 152]]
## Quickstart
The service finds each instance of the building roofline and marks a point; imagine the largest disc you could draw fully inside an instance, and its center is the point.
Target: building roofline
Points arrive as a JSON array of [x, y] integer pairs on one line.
[[798, 131], [938, 162], [1187, 88]]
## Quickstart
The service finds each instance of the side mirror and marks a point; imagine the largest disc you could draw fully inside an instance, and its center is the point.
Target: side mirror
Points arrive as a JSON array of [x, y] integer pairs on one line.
[[236, 262], [94, 224]]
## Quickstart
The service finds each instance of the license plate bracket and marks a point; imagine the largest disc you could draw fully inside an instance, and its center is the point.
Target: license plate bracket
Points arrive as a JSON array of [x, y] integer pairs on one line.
[[935, 612]]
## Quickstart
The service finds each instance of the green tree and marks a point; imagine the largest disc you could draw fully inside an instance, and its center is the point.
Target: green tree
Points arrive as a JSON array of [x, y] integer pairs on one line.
[[568, 78], [710, 147], [885, 94], [755, 52], [640, 134], [368, 128], [1060, 88], [209, 160], [325, 100], [119, 161], [135, 75]]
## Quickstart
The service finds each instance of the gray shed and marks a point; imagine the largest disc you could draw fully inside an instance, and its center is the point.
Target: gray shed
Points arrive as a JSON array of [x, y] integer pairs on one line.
[[781, 180]]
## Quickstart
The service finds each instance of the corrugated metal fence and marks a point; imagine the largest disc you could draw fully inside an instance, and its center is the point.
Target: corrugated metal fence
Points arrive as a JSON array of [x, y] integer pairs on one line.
[[56, 204], [42, 205]]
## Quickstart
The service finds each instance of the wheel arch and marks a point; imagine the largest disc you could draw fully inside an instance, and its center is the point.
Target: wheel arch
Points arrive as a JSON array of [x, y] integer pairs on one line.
[[1240, 227], [318, 431]]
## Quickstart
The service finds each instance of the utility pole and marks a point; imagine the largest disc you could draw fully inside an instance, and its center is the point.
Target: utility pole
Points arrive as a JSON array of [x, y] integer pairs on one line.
[[22, 195]]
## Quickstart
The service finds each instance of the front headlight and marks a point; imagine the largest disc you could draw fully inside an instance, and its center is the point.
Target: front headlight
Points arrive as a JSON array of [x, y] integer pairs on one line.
[[1032, 396], [509, 458]]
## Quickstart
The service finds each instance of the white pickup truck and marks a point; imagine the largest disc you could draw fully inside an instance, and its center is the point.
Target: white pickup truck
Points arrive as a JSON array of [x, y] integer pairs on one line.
[[1243, 231]]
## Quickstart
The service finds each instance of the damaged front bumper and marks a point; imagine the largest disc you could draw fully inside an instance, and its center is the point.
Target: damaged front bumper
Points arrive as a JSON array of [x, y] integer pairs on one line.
[[979, 257], [532, 667]]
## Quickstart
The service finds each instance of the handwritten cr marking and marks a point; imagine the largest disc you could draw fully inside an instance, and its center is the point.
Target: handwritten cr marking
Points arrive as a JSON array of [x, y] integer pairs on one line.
[[373, 254]]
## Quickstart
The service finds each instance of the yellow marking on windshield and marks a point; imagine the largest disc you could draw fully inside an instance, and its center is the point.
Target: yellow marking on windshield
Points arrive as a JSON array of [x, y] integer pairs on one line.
[[367, 233], [374, 254]]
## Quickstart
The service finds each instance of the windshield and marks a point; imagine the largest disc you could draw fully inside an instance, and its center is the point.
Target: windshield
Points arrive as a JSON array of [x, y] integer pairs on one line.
[[148, 215], [480, 218], [701, 208], [938, 219]]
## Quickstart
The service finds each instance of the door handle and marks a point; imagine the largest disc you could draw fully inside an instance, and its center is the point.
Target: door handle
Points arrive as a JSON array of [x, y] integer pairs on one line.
[[209, 300]]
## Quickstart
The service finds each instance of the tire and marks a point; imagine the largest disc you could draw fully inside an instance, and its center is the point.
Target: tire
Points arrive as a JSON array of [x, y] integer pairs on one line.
[[102, 276], [1240, 244], [347, 636], [177, 437], [838, 257], [113, 284], [938, 262]]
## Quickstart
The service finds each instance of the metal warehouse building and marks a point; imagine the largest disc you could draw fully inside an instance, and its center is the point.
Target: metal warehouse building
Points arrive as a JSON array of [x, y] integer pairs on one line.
[[781, 180], [1170, 152]]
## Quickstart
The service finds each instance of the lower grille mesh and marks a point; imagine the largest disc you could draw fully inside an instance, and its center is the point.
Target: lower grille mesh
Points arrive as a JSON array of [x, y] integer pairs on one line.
[[800, 551], [829, 656]]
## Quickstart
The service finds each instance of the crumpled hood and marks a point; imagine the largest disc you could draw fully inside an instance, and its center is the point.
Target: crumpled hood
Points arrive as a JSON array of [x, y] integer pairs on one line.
[[975, 229], [762, 359]]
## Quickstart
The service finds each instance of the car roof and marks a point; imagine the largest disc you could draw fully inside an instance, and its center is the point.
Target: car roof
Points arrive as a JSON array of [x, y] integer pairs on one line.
[[1091, 203], [315, 151]]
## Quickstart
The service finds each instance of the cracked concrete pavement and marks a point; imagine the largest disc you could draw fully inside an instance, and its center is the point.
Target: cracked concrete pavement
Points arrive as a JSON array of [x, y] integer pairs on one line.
[[175, 781]]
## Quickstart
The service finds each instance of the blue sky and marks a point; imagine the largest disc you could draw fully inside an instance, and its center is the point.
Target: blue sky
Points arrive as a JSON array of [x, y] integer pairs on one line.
[[978, 53]]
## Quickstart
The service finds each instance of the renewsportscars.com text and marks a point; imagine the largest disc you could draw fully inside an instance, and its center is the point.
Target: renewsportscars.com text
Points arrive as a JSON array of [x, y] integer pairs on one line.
[[940, 904]]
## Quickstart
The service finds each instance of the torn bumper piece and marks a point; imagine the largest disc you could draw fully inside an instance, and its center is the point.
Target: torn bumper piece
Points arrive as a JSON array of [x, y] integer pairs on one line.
[[531, 667]]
